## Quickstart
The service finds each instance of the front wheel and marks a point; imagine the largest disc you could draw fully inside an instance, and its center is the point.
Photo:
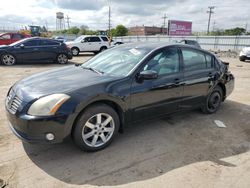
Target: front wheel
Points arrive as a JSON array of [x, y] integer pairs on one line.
[[75, 51], [8, 59], [62, 59], [96, 128], [242, 58], [213, 101]]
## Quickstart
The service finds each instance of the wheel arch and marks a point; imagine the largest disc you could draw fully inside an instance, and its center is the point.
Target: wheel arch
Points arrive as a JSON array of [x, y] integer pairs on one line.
[[118, 109], [223, 87]]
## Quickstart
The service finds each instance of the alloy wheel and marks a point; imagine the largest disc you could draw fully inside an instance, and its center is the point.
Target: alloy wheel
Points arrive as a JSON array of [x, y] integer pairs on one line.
[[98, 130], [8, 59], [62, 59]]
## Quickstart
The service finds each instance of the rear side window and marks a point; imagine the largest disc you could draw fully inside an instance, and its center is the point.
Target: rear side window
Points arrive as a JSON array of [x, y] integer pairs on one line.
[[210, 60], [193, 60], [31, 43], [48, 43], [94, 39], [105, 39], [17, 36]]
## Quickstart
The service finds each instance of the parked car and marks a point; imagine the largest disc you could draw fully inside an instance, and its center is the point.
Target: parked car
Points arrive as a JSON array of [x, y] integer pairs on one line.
[[191, 42], [93, 101], [8, 38], [86, 43], [35, 50], [59, 38], [245, 54]]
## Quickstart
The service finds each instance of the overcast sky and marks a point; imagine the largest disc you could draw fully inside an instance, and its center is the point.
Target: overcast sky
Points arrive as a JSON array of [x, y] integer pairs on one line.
[[94, 13]]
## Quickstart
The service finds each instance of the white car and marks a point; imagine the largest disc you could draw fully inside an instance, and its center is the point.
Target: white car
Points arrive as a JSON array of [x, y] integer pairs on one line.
[[87, 43], [245, 54]]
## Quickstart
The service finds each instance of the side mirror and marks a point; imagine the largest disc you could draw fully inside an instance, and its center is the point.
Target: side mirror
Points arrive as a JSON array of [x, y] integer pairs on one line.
[[21, 45], [148, 75]]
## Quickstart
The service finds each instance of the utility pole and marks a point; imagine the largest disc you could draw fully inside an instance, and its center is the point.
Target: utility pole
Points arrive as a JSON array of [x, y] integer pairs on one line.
[[214, 26], [109, 24], [210, 12], [164, 23], [67, 21]]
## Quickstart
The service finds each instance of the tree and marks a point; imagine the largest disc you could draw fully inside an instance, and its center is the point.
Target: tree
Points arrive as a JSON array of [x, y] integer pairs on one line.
[[120, 30], [235, 31], [73, 30]]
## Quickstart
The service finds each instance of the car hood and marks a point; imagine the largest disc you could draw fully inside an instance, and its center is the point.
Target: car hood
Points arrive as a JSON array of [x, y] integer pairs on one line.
[[62, 80], [70, 43], [246, 49], [4, 47]]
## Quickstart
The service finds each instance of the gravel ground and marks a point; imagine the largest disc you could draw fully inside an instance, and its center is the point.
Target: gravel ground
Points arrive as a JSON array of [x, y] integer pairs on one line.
[[184, 150]]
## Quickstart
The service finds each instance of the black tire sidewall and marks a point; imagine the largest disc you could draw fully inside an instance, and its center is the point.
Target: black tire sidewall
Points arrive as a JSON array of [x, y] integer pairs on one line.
[[206, 109], [88, 113], [76, 49]]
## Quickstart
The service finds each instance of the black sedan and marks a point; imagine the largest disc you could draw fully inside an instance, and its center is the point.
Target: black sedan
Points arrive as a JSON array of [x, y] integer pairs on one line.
[[93, 101], [35, 50]]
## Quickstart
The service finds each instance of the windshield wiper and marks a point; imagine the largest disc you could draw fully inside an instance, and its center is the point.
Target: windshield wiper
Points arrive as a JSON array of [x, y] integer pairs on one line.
[[92, 69]]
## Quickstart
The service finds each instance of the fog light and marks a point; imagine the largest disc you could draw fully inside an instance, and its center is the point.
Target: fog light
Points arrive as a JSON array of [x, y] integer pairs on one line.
[[50, 136]]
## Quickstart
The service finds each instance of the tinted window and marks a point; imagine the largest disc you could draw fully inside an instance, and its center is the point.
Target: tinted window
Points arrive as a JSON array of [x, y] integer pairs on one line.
[[48, 43], [210, 60], [17, 36], [94, 39], [31, 43], [193, 60], [105, 39], [164, 62]]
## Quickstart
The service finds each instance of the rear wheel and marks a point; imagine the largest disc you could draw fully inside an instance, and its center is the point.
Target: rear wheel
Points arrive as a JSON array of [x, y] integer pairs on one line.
[[8, 59], [62, 59], [103, 48], [213, 101], [96, 128], [242, 58], [75, 51]]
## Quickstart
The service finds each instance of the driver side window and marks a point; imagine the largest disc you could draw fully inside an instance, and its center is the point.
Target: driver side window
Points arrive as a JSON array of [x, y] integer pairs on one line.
[[165, 61]]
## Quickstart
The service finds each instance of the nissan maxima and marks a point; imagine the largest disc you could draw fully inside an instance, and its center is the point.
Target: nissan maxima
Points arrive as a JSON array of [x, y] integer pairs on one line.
[[93, 101]]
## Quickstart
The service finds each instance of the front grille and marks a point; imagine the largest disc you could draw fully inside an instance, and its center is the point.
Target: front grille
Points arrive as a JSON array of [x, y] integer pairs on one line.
[[13, 102]]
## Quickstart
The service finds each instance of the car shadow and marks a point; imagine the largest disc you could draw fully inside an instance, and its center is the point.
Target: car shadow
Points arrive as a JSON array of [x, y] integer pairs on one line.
[[150, 148]]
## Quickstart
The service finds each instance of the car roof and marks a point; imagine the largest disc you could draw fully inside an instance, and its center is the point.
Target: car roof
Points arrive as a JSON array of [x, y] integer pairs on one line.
[[157, 45]]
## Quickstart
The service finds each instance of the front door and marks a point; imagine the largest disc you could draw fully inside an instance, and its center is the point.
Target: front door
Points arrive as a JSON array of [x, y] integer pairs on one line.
[[162, 95]]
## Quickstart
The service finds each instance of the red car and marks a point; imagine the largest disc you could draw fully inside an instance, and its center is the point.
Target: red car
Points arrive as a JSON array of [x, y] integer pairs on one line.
[[8, 38]]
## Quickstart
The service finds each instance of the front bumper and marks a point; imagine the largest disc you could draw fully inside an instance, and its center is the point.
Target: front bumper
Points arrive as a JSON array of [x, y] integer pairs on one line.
[[34, 129]]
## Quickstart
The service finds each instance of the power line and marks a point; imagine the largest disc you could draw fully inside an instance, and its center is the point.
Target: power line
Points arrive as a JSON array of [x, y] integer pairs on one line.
[[164, 23], [210, 12]]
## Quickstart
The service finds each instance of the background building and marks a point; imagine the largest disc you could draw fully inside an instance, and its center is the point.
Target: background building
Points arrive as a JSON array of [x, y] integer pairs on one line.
[[146, 30]]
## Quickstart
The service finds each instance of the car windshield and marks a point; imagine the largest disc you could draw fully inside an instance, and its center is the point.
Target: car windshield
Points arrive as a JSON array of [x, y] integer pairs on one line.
[[117, 61], [79, 38], [18, 42]]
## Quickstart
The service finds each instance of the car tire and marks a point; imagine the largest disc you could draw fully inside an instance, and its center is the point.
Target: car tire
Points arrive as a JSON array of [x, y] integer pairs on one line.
[[96, 127], [62, 59], [213, 101], [8, 59], [75, 51], [242, 58], [103, 48]]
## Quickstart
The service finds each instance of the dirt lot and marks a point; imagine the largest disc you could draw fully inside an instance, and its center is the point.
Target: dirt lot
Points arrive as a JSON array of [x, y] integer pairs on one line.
[[185, 150]]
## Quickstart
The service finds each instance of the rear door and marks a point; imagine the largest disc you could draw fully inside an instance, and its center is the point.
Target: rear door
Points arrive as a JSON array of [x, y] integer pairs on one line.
[[94, 43], [48, 49], [198, 76]]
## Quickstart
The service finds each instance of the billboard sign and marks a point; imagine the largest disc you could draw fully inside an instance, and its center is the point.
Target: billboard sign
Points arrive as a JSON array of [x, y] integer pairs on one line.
[[179, 28]]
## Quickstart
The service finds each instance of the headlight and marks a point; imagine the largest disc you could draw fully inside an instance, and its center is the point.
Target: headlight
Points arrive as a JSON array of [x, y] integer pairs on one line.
[[48, 105]]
